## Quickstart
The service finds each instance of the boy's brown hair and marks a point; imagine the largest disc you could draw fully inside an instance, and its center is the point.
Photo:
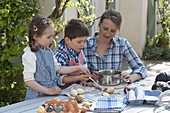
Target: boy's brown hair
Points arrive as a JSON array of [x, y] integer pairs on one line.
[[76, 28]]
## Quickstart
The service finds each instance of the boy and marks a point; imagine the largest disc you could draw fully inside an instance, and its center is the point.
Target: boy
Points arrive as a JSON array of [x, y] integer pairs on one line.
[[69, 52]]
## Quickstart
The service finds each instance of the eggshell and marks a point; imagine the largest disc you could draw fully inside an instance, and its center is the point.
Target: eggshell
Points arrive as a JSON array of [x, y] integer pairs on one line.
[[80, 91], [59, 109], [50, 109], [41, 109]]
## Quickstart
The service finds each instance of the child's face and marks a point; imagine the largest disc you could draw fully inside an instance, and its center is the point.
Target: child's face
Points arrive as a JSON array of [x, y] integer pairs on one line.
[[47, 37], [76, 44]]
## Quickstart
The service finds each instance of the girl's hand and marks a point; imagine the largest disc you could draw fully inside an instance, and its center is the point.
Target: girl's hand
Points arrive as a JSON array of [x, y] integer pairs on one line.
[[53, 91], [84, 70]]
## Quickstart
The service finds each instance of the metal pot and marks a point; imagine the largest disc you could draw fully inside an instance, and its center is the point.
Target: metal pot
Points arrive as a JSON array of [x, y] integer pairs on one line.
[[109, 77]]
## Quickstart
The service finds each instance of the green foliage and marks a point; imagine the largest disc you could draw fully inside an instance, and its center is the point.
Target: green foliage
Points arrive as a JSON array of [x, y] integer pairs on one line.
[[14, 18], [161, 41], [154, 53], [166, 54], [83, 8], [164, 34]]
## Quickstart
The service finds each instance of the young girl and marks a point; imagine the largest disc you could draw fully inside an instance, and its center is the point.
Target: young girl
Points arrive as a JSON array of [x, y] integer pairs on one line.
[[39, 64]]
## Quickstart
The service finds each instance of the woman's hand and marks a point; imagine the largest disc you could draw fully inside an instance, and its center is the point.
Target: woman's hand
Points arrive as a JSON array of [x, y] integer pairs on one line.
[[96, 75], [127, 76], [53, 91], [132, 78]]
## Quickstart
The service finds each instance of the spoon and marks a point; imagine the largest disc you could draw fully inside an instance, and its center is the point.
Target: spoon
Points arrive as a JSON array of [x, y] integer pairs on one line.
[[97, 85]]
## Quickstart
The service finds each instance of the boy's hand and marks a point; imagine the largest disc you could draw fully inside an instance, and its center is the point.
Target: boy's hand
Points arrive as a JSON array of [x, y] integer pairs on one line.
[[88, 84], [84, 77], [84, 70]]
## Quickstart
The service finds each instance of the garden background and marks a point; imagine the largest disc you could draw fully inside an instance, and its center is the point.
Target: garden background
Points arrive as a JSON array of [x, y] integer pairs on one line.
[[15, 16]]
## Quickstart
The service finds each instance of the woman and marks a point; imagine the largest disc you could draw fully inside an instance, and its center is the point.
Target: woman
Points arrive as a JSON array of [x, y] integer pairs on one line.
[[106, 50]]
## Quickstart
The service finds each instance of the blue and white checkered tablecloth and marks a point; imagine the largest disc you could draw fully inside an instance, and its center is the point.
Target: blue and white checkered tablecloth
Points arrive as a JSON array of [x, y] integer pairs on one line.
[[110, 104]]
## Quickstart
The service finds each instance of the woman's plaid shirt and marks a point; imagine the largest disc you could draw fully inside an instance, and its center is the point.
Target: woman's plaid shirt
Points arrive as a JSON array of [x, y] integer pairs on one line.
[[113, 57]]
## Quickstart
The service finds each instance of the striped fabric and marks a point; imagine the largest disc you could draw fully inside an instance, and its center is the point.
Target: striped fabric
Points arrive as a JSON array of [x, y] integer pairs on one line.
[[110, 104]]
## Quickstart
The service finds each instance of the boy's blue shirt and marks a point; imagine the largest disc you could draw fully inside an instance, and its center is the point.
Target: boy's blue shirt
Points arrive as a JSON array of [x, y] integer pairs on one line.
[[62, 54]]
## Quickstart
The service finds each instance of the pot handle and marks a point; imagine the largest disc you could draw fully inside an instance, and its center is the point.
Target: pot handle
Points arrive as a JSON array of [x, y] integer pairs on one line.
[[126, 80]]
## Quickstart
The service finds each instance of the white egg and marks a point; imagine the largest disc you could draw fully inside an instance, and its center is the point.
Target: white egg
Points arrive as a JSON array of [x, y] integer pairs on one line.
[[80, 91], [105, 94], [74, 92]]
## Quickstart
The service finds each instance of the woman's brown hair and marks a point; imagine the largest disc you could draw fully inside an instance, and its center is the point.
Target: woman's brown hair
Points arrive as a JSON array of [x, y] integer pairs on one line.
[[113, 15]]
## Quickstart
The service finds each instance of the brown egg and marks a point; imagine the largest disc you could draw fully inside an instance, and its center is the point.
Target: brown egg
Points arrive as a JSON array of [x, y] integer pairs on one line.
[[87, 105], [110, 90], [79, 98]]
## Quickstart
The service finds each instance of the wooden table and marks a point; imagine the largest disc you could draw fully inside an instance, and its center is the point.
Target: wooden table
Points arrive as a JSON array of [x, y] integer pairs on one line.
[[31, 106]]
